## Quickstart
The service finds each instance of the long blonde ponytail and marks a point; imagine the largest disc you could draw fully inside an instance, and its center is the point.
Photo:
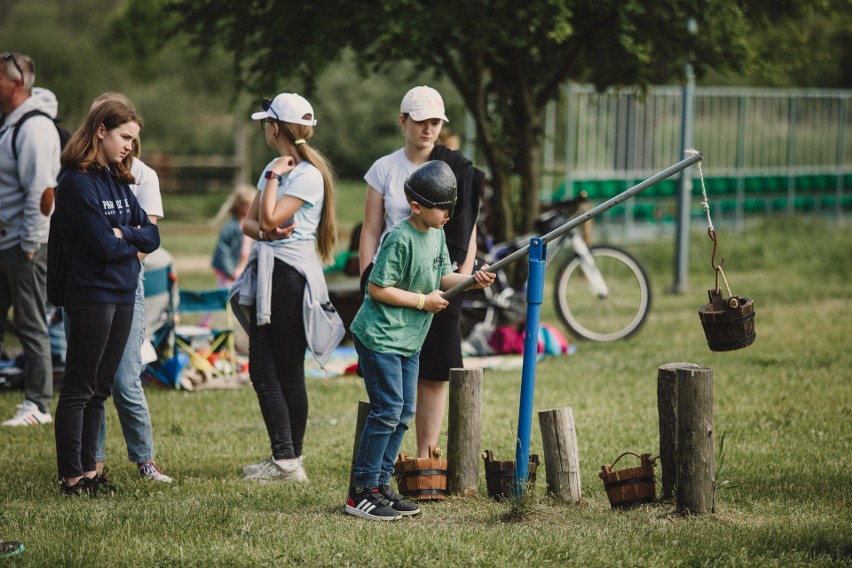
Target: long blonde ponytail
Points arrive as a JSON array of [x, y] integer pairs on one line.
[[327, 229]]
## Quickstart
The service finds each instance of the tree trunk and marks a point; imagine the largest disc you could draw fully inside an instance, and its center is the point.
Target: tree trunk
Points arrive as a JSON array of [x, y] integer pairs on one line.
[[499, 202], [529, 186]]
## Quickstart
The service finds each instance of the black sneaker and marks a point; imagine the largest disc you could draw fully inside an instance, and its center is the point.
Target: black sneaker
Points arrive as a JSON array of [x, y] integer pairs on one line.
[[86, 486], [398, 502], [368, 503], [104, 484]]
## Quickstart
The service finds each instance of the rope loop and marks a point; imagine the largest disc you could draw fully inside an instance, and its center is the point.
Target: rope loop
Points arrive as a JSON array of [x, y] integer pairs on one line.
[[711, 232]]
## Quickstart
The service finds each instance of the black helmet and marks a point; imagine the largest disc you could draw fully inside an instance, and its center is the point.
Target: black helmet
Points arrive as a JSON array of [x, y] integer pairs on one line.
[[432, 185]]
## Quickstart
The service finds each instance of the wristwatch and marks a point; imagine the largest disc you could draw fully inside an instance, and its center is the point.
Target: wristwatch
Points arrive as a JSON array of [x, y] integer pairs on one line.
[[272, 175]]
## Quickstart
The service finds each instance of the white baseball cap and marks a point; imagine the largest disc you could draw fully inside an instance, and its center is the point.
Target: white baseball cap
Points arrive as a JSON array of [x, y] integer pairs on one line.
[[287, 107], [423, 103]]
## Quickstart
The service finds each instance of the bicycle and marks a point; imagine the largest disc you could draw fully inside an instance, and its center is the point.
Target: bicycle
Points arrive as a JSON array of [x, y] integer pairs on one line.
[[601, 293]]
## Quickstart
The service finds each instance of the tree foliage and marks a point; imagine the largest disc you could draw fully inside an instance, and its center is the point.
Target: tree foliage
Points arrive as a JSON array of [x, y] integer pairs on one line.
[[506, 59], [501, 60]]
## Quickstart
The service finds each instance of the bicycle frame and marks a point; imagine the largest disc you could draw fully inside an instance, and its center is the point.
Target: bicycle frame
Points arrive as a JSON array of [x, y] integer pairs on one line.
[[590, 269], [573, 241]]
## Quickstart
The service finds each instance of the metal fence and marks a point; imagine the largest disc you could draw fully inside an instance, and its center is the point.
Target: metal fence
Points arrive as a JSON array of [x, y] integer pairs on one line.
[[765, 150]]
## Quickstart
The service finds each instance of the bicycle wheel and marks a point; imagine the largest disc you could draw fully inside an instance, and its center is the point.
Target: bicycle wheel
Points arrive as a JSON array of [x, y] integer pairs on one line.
[[478, 307], [603, 317]]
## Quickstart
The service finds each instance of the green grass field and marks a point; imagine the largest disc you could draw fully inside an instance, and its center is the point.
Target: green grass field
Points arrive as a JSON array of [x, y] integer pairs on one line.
[[782, 405]]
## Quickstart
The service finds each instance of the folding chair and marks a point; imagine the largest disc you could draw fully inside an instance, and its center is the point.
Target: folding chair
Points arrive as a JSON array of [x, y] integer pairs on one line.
[[215, 340], [161, 360]]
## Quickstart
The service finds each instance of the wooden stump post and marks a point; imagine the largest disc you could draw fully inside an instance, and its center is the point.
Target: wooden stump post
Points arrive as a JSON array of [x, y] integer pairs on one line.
[[561, 455], [667, 408], [464, 431], [696, 463], [363, 411]]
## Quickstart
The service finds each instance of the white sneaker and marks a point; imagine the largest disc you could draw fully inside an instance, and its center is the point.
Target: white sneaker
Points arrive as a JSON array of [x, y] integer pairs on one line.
[[29, 415], [273, 471], [150, 472], [252, 469]]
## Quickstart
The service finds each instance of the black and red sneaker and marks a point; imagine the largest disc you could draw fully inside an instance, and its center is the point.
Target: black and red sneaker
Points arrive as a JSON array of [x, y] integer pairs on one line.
[[368, 503], [398, 502]]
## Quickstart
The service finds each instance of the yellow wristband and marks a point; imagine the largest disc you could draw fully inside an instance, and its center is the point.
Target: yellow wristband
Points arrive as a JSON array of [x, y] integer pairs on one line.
[[421, 302]]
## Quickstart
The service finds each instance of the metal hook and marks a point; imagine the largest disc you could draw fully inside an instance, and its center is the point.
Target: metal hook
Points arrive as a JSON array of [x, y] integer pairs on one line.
[[712, 234]]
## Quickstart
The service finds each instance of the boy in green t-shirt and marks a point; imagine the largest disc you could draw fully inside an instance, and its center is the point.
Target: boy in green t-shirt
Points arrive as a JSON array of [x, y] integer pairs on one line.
[[403, 292]]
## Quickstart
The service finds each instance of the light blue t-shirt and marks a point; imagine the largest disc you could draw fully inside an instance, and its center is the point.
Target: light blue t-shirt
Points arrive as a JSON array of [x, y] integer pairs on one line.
[[305, 182]]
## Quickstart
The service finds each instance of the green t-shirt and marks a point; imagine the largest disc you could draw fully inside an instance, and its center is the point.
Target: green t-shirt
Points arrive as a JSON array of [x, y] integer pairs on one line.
[[410, 260]]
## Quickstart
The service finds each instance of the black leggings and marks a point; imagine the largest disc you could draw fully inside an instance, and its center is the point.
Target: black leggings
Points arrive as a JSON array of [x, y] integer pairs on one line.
[[97, 334], [277, 364]]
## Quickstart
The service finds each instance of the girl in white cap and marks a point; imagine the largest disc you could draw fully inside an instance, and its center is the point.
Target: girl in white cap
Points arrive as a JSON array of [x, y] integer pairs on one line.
[[292, 218], [421, 117]]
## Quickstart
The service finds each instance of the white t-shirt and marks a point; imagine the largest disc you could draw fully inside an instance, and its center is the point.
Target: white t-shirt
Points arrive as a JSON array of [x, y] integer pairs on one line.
[[305, 182], [387, 175], [147, 188]]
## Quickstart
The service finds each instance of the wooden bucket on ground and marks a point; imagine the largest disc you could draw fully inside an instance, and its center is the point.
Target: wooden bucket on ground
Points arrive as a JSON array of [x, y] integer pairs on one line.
[[500, 475], [632, 486], [728, 322], [423, 479]]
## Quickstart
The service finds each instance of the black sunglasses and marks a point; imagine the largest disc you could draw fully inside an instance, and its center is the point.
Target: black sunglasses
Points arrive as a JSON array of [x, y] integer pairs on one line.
[[267, 105], [11, 56]]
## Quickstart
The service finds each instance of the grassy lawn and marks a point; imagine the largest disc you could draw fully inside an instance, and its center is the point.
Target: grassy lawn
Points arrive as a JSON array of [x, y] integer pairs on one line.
[[782, 405]]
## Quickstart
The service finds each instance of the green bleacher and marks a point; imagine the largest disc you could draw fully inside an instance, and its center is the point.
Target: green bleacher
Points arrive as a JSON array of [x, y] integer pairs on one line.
[[762, 194]]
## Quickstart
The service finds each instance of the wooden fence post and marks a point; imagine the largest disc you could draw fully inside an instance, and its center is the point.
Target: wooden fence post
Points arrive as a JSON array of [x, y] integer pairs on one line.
[[464, 431], [363, 411], [696, 464], [561, 455], [667, 408]]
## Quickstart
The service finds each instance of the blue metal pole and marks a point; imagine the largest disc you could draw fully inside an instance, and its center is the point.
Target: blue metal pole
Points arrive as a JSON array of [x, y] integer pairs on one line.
[[535, 295]]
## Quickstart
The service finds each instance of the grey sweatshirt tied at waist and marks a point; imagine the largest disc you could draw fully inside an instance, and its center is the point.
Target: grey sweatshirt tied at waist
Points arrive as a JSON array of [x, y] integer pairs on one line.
[[324, 328]]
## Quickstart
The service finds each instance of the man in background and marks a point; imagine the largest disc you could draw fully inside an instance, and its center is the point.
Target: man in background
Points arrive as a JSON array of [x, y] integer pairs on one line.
[[27, 177]]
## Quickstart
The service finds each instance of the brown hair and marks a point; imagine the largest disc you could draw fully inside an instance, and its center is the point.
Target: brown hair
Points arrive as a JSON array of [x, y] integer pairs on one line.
[[81, 152]]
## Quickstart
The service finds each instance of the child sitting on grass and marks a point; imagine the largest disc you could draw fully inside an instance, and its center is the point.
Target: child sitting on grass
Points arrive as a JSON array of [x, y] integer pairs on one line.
[[403, 292]]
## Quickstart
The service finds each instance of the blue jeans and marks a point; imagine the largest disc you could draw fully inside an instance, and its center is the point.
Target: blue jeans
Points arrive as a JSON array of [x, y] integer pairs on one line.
[[391, 381], [127, 393]]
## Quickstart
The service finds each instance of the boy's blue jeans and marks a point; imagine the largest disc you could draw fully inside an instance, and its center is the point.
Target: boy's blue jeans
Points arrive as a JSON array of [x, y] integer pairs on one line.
[[391, 381]]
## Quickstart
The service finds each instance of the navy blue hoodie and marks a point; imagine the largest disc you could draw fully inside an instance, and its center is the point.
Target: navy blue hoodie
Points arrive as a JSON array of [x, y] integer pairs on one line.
[[101, 267]]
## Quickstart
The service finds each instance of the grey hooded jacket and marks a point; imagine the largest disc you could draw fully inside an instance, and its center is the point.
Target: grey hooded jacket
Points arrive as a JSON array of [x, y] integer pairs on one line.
[[23, 182]]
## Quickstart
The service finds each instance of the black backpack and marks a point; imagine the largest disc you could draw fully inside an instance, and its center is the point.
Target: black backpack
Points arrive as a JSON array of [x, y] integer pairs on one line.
[[57, 264], [64, 134]]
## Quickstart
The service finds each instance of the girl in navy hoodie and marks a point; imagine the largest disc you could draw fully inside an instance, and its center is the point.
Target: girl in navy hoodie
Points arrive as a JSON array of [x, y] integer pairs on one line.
[[103, 230]]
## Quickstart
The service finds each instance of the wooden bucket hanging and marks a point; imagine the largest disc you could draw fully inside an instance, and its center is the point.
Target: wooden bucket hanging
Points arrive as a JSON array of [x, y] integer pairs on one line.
[[423, 479], [632, 486], [500, 475], [728, 322]]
